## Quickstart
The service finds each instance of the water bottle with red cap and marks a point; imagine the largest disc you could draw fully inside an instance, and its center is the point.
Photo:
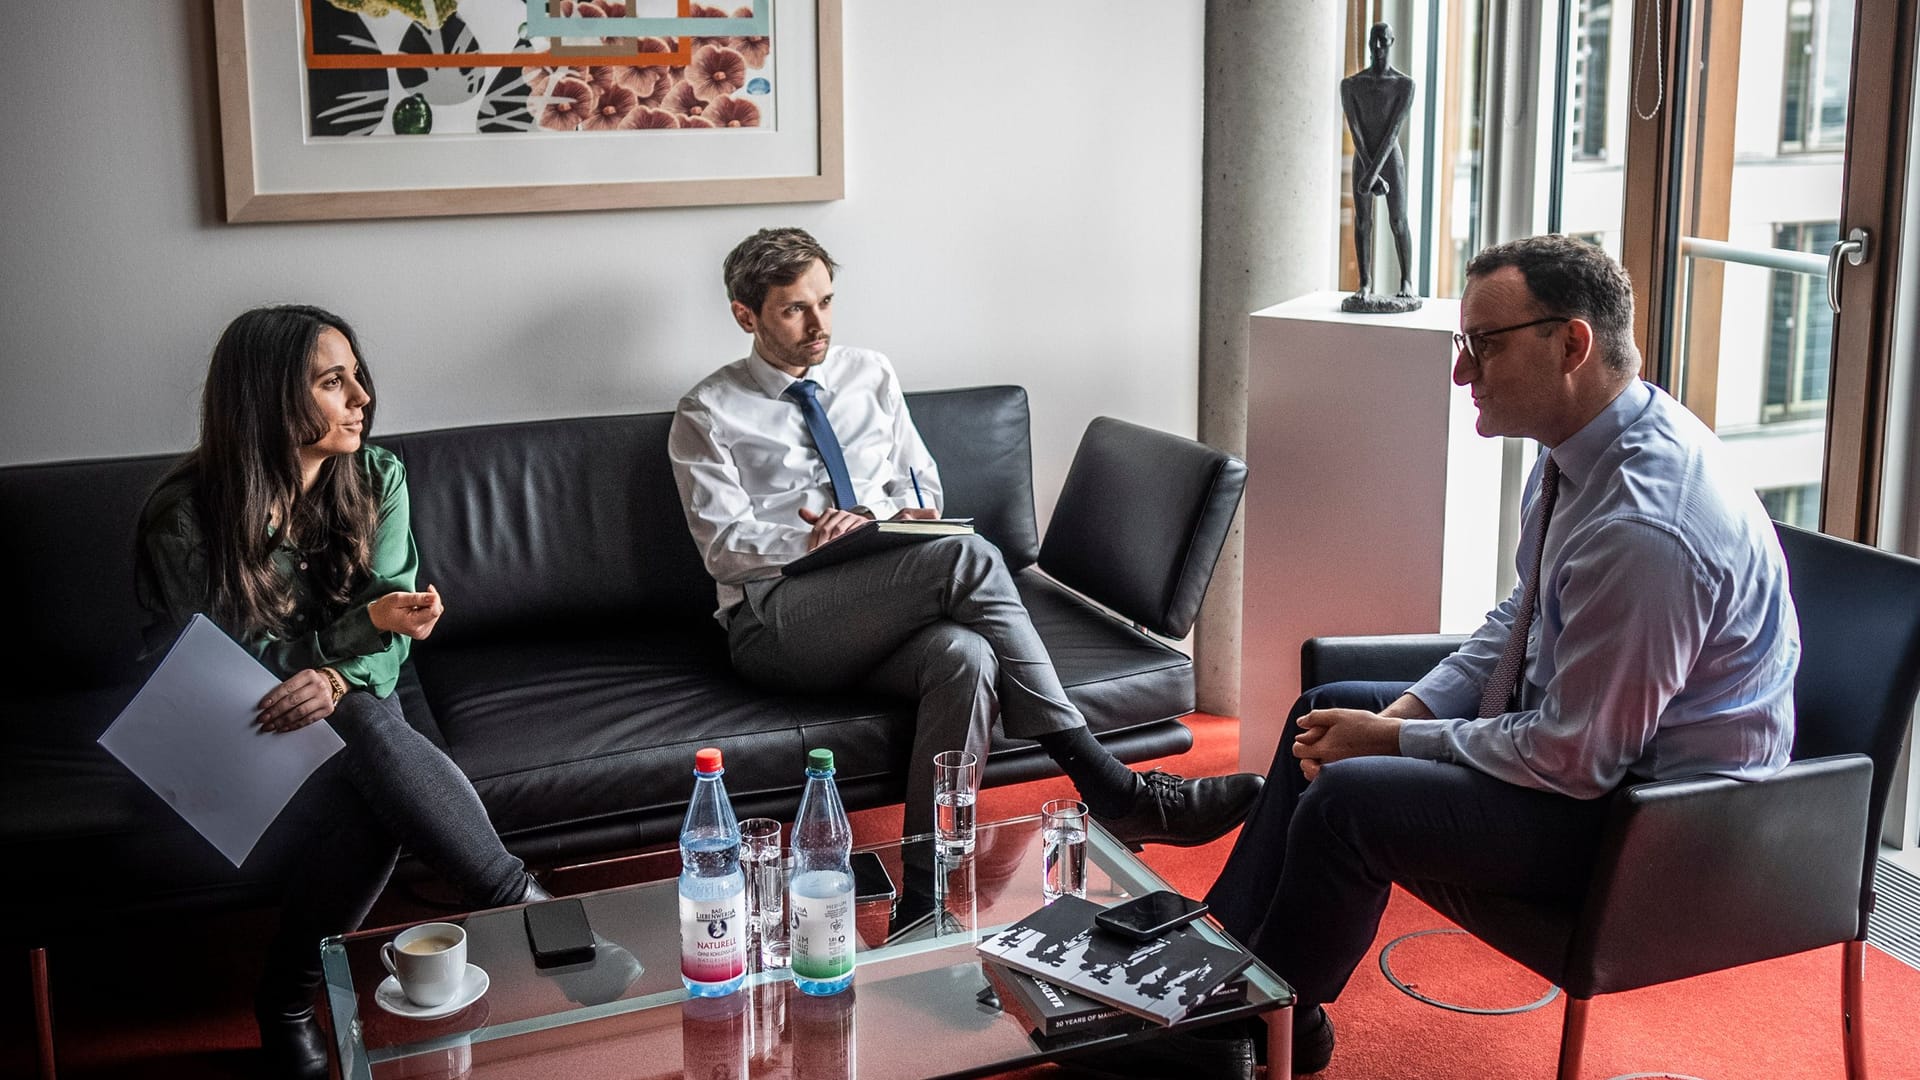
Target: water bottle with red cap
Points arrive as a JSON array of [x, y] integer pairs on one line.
[[713, 913]]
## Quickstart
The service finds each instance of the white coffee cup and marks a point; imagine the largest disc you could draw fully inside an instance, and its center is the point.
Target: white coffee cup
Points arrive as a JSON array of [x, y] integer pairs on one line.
[[429, 961]]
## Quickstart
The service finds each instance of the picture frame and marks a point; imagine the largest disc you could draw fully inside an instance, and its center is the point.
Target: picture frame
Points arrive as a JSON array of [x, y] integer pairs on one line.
[[275, 172]]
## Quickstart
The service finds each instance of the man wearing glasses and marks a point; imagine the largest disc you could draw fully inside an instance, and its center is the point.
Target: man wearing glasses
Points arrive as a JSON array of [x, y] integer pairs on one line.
[[1651, 636]]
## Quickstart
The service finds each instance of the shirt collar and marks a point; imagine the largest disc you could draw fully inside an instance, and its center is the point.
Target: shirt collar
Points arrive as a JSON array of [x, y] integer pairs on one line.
[[773, 382], [1581, 451]]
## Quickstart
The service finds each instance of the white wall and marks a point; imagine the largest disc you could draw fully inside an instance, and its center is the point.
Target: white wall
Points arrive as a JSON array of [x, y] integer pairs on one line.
[[1023, 206]]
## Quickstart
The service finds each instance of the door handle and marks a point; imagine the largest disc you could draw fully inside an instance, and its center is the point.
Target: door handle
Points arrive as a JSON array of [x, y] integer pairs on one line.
[[1854, 250]]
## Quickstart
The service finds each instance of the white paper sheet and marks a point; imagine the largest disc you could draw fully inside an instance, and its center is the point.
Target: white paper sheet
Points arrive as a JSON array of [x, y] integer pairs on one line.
[[190, 735]]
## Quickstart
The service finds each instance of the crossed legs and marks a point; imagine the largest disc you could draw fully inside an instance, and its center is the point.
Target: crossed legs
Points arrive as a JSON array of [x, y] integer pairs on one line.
[[1309, 878]]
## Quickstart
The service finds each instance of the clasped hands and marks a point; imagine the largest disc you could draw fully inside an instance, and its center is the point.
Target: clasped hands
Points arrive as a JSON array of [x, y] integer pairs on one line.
[[831, 524], [308, 695], [1328, 735]]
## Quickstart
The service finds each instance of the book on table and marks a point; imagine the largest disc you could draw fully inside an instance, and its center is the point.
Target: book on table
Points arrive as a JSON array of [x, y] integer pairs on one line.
[[876, 536], [1054, 1011], [1163, 979]]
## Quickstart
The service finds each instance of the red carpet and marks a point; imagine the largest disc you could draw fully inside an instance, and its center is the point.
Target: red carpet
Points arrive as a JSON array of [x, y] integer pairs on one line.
[[1767, 1021]]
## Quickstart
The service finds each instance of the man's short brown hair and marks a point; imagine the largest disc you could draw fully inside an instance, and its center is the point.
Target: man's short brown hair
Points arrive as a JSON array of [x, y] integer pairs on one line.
[[771, 257], [1571, 277]]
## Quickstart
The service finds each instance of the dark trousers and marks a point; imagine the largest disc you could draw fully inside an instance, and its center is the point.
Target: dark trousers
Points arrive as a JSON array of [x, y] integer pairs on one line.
[[1309, 878], [336, 842], [941, 622]]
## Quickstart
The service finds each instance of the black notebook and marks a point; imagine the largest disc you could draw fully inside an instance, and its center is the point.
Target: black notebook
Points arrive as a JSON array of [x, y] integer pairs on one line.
[[877, 536], [1162, 980]]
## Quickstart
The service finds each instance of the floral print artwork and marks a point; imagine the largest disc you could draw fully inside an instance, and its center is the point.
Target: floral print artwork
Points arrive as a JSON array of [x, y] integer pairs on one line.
[[413, 68]]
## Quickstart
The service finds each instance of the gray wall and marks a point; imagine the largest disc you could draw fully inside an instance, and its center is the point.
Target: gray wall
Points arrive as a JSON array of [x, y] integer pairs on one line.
[[1023, 206]]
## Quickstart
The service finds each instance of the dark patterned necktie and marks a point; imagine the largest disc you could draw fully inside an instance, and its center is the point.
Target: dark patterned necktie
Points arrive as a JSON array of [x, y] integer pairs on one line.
[[1506, 674], [805, 392]]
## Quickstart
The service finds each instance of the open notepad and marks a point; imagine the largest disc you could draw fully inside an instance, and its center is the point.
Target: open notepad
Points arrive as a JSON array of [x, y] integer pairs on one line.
[[876, 536]]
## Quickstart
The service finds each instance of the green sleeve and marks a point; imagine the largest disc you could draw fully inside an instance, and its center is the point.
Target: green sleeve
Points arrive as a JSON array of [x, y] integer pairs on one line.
[[172, 584], [175, 587], [367, 658]]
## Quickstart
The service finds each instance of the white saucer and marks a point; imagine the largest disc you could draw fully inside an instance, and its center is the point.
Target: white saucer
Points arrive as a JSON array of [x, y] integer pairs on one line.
[[389, 997]]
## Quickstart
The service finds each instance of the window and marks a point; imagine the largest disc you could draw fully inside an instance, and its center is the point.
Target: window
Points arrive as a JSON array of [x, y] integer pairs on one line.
[[1796, 506], [1593, 23], [1813, 98], [1800, 329]]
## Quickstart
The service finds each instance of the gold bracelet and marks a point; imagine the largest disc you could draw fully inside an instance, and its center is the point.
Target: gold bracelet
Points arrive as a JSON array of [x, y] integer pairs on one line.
[[334, 680]]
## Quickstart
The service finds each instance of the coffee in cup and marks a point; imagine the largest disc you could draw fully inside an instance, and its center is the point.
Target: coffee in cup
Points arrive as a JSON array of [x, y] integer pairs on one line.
[[429, 961]]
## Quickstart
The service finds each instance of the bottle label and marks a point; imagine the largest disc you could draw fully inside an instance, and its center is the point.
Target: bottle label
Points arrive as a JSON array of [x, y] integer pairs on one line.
[[713, 945], [822, 933]]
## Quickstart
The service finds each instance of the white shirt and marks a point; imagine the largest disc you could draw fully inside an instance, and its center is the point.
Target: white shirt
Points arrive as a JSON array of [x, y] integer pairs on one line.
[[1665, 642], [745, 463]]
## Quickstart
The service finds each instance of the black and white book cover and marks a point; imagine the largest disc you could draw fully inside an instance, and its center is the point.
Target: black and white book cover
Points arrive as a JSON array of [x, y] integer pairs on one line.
[[1162, 980], [1055, 1010]]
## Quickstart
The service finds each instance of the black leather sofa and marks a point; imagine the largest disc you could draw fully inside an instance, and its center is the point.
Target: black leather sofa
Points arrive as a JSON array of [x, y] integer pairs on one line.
[[578, 667]]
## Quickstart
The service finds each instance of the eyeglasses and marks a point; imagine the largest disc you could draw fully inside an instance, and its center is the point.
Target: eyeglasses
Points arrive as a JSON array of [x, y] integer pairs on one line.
[[1473, 343]]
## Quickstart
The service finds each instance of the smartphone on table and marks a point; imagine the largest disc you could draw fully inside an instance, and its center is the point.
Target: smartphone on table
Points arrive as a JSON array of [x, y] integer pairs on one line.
[[870, 878], [558, 933], [1144, 918]]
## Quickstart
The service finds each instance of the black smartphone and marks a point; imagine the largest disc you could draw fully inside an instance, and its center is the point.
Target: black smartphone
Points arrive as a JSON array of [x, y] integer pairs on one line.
[[1144, 918], [558, 932], [870, 878]]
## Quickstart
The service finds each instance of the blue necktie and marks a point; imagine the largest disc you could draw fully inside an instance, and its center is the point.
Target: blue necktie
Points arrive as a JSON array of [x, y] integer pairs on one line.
[[805, 392]]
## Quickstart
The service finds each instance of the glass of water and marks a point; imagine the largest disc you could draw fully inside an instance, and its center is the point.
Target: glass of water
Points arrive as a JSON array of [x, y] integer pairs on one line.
[[1063, 849], [763, 863], [956, 785]]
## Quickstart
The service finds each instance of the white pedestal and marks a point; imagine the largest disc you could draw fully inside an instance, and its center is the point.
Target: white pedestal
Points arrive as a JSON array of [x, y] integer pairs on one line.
[[1372, 505]]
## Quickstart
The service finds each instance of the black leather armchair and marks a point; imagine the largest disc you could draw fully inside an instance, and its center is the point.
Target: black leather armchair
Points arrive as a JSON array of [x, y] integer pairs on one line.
[[1702, 874]]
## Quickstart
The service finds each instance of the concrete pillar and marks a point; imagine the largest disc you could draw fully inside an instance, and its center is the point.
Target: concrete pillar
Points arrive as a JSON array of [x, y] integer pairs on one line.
[[1269, 232]]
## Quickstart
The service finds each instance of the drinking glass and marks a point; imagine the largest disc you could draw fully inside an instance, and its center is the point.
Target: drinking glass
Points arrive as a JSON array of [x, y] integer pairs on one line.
[[763, 863], [956, 785], [1063, 849]]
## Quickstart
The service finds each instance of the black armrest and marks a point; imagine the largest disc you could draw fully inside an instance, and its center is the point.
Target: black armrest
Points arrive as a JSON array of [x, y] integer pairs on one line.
[[1141, 520], [1381, 658], [1706, 873]]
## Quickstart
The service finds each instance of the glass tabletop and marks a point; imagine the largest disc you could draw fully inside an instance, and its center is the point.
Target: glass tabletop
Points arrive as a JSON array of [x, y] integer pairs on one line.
[[920, 1005]]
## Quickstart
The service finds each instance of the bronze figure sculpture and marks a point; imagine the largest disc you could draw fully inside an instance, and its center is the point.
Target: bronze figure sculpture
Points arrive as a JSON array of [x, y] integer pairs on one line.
[[1376, 101]]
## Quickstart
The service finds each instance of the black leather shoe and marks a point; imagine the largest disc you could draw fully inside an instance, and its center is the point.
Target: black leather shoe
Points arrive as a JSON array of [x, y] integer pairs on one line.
[[1170, 809], [292, 1044], [1229, 1056], [1312, 1040]]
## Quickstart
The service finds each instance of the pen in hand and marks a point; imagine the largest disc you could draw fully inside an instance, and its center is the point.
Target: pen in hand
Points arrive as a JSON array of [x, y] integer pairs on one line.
[[917, 497]]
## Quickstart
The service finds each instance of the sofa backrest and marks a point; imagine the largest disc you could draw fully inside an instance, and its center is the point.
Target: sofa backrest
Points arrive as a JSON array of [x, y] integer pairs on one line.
[[522, 526], [66, 570]]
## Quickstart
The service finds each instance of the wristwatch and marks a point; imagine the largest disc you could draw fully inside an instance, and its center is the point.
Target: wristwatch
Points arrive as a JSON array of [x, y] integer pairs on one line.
[[334, 680]]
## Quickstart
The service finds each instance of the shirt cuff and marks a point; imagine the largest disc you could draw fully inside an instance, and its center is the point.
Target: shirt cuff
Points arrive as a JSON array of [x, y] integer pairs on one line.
[[1427, 739], [354, 634], [1446, 691], [882, 509]]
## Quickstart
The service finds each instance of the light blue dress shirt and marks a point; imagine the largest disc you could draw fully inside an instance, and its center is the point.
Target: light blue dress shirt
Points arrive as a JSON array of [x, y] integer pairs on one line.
[[1665, 643]]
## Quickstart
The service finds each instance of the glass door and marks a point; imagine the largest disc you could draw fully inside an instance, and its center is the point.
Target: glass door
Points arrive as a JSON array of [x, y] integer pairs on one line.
[[1764, 181]]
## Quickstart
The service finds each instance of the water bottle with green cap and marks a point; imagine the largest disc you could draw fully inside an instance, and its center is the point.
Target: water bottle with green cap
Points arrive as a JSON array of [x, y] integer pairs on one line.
[[820, 896]]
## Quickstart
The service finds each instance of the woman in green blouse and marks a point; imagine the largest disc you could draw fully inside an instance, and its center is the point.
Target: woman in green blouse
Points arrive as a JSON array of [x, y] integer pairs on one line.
[[292, 535]]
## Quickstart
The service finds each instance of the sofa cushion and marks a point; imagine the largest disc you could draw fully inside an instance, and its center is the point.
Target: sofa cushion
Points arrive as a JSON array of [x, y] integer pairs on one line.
[[90, 831], [563, 732]]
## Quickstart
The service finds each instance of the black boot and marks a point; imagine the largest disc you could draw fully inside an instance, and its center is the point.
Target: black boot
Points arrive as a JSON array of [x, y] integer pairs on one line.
[[1170, 809], [291, 1042]]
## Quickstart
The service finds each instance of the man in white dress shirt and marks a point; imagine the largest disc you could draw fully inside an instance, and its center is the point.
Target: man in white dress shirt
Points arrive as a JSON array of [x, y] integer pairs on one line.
[[801, 440]]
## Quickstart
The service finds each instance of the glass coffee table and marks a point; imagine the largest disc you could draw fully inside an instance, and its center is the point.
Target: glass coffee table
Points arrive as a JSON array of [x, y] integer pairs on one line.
[[920, 1005]]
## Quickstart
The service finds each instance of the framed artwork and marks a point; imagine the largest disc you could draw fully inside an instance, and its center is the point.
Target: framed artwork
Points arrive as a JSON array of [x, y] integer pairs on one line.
[[411, 108]]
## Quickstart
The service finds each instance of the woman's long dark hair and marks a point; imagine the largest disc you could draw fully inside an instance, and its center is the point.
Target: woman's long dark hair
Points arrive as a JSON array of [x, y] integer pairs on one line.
[[256, 412]]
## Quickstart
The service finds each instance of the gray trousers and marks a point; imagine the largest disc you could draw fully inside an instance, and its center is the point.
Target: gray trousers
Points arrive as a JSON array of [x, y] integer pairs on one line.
[[940, 622]]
